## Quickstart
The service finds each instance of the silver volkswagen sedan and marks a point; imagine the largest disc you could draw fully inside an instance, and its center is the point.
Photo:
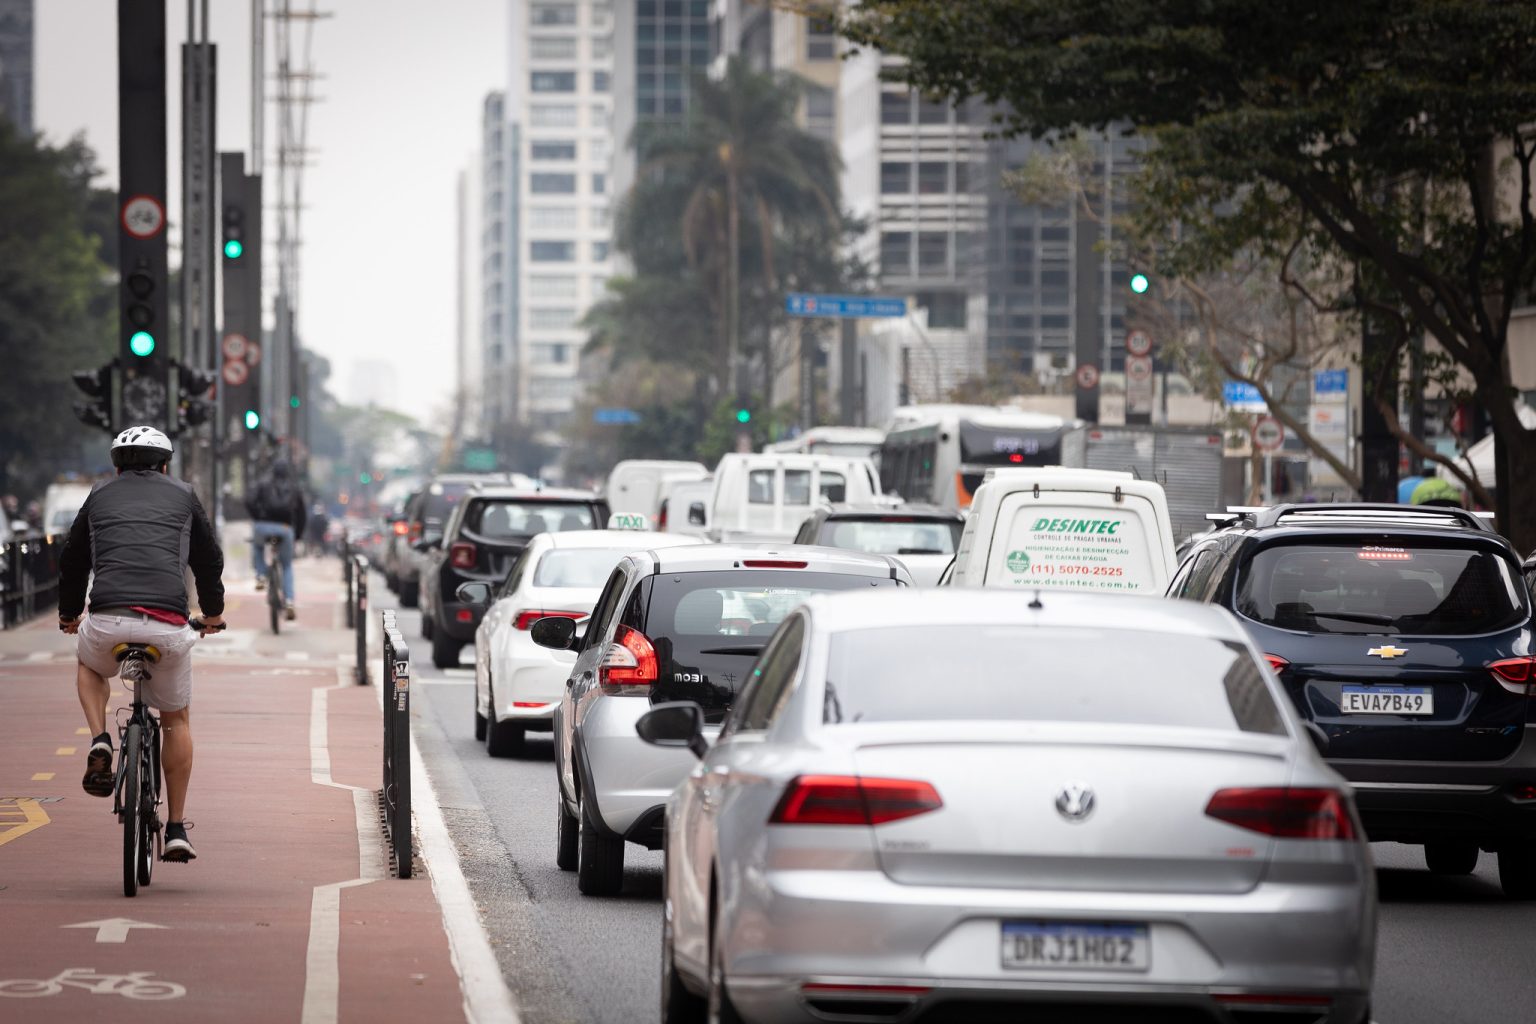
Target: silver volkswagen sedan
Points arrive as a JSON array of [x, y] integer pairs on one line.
[[971, 806]]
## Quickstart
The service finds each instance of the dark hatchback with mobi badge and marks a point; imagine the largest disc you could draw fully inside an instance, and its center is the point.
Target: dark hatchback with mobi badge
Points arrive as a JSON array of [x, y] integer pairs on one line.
[[1403, 636]]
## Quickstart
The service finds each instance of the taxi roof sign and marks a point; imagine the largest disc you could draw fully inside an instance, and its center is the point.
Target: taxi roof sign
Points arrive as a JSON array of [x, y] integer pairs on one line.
[[628, 521]]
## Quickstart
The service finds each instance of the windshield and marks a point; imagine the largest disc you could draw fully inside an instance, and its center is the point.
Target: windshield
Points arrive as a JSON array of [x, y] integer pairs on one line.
[[1025, 673], [892, 535], [577, 567], [512, 519], [1398, 587]]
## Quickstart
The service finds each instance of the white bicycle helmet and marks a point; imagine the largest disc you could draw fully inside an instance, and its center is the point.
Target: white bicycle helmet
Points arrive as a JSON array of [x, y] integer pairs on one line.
[[140, 448]]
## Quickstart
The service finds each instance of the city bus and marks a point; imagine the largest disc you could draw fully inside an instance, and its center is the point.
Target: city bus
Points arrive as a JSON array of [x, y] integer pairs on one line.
[[858, 442], [940, 458]]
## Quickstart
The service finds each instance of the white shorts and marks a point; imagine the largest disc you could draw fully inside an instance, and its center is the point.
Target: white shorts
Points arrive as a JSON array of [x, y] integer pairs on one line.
[[169, 687]]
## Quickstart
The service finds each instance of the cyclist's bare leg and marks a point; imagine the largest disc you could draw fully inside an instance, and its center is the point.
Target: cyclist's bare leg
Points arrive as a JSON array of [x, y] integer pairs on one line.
[[176, 759], [94, 693]]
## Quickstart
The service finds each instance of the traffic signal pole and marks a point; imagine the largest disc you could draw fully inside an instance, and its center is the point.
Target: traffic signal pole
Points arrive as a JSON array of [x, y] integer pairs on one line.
[[240, 341], [143, 325]]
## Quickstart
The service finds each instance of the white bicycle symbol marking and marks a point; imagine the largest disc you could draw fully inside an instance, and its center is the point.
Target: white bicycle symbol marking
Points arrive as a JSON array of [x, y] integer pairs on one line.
[[137, 985]]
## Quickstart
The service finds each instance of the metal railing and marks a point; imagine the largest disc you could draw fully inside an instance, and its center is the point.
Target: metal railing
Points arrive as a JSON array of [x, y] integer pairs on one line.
[[29, 577], [357, 614], [397, 745]]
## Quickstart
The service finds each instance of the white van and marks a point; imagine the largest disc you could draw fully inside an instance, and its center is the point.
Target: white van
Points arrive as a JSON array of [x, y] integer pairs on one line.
[[677, 497], [635, 485], [61, 503], [766, 496], [1066, 529]]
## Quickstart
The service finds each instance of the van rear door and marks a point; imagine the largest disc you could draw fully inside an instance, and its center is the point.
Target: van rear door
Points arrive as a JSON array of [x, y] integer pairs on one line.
[[1078, 540]]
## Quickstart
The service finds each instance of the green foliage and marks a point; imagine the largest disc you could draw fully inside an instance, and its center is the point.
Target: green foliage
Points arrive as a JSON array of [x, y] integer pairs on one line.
[[56, 306], [1390, 134]]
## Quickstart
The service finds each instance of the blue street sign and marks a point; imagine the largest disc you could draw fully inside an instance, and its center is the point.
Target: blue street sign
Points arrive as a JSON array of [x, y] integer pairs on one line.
[[1242, 397], [1330, 382], [843, 306], [615, 417]]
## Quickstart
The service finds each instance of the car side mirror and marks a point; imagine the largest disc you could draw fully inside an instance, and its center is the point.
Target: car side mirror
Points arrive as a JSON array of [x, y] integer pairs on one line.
[[475, 593], [696, 514], [678, 724], [556, 632]]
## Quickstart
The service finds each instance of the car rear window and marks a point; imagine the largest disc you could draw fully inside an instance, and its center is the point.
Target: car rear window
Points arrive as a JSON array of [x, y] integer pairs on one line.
[[892, 535], [513, 519], [577, 567], [1392, 587], [1030, 674], [438, 501]]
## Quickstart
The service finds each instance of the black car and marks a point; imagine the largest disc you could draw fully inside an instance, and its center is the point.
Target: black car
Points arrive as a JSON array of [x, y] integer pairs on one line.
[[421, 520], [1404, 637], [488, 529]]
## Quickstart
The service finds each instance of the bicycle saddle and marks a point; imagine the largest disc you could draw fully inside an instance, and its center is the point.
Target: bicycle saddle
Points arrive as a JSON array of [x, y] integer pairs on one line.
[[127, 650]]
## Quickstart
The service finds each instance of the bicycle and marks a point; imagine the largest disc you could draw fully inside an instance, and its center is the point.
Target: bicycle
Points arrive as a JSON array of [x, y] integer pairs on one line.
[[275, 608], [136, 788]]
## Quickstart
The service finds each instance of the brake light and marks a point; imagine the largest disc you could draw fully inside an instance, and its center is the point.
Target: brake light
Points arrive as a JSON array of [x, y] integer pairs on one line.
[[402, 528], [462, 556], [1285, 812], [629, 661], [1515, 674], [526, 619], [661, 518], [532, 703], [415, 531], [852, 800], [1277, 663], [1015, 457], [772, 563]]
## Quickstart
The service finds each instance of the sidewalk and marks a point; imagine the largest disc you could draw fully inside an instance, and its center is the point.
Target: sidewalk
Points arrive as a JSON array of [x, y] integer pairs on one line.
[[288, 914]]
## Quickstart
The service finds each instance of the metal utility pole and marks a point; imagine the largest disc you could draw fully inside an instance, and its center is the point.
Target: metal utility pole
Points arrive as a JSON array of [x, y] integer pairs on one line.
[[144, 321], [198, 259], [1378, 447]]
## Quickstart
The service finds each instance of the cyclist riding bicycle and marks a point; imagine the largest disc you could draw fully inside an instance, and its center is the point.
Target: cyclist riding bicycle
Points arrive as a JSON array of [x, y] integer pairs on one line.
[[139, 532], [277, 510]]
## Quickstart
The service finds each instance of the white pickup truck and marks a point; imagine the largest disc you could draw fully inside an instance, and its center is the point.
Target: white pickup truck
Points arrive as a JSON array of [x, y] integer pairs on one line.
[[766, 496]]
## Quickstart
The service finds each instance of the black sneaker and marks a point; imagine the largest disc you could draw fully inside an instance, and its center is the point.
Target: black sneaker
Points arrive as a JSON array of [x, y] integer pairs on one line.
[[98, 779], [290, 612], [178, 848]]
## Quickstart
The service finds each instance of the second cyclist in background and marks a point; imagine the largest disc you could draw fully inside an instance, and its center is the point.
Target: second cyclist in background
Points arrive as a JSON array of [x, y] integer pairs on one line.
[[277, 510]]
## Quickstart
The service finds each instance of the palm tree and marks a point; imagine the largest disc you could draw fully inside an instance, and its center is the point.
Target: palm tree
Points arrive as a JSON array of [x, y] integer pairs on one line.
[[741, 151]]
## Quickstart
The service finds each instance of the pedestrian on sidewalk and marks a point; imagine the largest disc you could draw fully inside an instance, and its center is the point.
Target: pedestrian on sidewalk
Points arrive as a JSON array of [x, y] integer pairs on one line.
[[139, 532], [277, 510]]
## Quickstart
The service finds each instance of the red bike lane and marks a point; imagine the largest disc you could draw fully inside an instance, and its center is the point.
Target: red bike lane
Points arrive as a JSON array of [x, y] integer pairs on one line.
[[288, 913]]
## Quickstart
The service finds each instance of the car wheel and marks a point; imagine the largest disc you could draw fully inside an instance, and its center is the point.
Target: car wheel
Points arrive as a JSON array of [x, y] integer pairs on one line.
[[480, 721], [1451, 858], [445, 650], [678, 1005], [408, 594], [720, 1008], [599, 861], [1517, 870], [392, 583], [566, 830], [502, 739]]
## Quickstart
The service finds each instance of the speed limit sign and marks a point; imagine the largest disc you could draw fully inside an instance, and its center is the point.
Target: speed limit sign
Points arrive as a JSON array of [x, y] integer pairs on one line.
[[1138, 343], [234, 346]]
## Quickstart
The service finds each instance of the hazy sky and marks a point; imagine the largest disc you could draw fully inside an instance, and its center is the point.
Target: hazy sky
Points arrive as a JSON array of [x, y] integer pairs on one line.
[[403, 87]]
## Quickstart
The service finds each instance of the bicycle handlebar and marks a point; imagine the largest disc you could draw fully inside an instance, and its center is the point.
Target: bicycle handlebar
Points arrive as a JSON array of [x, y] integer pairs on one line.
[[203, 627]]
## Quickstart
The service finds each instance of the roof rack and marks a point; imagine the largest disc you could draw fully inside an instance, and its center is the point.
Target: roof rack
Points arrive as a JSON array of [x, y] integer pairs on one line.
[[1397, 515]]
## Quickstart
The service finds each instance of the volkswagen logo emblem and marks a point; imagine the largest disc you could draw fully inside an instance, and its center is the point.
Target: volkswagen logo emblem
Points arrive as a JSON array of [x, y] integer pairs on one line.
[[1075, 802]]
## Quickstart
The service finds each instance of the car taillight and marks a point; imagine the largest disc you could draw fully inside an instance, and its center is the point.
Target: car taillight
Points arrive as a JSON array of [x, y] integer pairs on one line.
[[526, 619], [1515, 674], [772, 563], [462, 556], [1276, 662], [852, 800], [629, 661], [414, 532], [402, 528], [661, 518], [1285, 812]]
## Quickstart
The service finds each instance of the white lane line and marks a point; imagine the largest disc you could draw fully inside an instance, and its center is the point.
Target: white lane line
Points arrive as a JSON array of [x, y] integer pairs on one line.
[[40, 656], [487, 1000], [297, 655], [322, 973]]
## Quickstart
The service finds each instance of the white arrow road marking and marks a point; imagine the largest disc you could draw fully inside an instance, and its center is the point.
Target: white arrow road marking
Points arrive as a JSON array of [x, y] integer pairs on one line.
[[113, 929]]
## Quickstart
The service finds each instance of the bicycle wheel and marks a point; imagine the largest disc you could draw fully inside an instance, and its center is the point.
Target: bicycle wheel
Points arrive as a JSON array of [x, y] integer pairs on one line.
[[149, 819], [275, 595], [133, 835]]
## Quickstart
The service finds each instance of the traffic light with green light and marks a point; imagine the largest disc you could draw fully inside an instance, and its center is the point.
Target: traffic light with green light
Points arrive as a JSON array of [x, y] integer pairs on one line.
[[252, 419], [293, 402], [234, 231], [743, 416], [1140, 283]]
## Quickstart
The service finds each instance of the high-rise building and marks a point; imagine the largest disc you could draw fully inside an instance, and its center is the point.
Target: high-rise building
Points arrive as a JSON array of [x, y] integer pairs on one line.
[[658, 46], [16, 63], [559, 102], [469, 354], [497, 277]]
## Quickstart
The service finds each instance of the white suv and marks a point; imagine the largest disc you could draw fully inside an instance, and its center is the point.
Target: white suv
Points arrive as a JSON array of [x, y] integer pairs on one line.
[[680, 624]]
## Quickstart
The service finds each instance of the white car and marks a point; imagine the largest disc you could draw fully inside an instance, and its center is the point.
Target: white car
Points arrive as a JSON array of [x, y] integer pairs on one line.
[[517, 682]]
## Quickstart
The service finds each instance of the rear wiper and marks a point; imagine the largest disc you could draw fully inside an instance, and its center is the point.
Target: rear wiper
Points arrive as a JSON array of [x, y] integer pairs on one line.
[[740, 649], [920, 551], [1367, 617]]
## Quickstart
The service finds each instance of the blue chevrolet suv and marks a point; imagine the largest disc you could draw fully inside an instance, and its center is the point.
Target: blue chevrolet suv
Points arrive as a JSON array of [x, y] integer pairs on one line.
[[1403, 635]]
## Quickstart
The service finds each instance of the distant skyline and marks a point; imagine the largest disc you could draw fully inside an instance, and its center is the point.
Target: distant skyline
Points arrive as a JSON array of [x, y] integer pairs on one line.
[[402, 89]]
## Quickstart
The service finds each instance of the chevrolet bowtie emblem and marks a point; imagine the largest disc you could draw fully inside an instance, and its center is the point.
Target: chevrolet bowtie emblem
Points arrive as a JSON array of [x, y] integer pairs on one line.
[[1388, 651]]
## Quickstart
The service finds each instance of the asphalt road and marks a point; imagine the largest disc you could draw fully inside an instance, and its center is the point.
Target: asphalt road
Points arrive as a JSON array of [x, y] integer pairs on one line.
[[1452, 950]]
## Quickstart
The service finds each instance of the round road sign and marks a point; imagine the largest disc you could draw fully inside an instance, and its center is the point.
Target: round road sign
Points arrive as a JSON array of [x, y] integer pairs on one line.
[[253, 352], [1087, 376], [234, 346], [1138, 369], [1138, 343], [1268, 433], [235, 373], [143, 216]]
